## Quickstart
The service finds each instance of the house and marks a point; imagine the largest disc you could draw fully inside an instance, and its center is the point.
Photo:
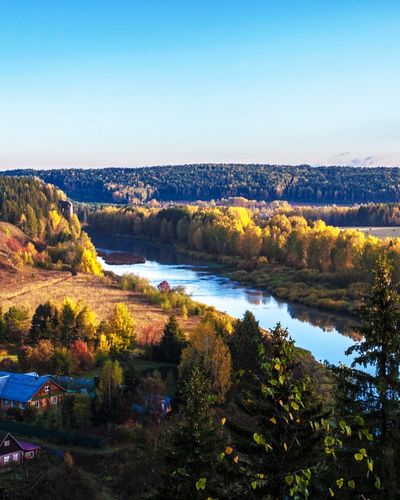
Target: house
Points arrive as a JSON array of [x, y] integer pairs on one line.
[[13, 451], [20, 390], [155, 404]]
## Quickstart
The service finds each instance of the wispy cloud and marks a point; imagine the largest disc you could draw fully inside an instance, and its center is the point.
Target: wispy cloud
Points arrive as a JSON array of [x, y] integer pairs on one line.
[[345, 159]]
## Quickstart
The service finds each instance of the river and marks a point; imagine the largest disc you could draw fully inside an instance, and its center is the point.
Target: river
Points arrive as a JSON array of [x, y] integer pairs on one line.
[[326, 334]]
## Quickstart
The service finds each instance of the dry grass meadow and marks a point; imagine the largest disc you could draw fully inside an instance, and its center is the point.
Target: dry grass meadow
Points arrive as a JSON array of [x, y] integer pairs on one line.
[[30, 287], [379, 232]]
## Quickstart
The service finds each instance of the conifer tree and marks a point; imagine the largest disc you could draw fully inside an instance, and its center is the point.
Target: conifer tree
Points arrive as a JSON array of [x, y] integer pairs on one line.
[[171, 343], [45, 323], [243, 343], [190, 447], [375, 396]]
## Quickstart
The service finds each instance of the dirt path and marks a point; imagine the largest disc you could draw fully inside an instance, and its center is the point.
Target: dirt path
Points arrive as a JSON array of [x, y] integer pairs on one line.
[[28, 289]]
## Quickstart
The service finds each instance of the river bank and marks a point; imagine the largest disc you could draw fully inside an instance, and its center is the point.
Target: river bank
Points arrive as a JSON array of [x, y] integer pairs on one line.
[[326, 333], [304, 286]]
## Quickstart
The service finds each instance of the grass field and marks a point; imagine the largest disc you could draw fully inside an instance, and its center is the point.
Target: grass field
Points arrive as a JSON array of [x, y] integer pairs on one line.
[[31, 287], [379, 232]]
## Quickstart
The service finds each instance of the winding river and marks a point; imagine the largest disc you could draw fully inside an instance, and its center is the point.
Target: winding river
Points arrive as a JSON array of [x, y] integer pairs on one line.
[[325, 333]]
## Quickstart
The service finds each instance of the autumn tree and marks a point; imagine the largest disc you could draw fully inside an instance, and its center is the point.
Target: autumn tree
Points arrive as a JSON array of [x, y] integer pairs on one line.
[[36, 359], [209, 351], [109, 391], [62, 362], [120, 329], [80, 352]]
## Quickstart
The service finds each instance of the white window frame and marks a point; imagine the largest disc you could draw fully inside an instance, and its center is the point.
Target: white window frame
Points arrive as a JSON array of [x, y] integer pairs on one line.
[[54, 400], [37, 404], [29, 454], [7, 443], [46, 388], [14, 404], [16, 457], [6, 459], [23, 406]]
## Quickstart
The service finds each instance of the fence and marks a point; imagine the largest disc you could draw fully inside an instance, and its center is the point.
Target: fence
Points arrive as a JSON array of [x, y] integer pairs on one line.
[[65, 437]]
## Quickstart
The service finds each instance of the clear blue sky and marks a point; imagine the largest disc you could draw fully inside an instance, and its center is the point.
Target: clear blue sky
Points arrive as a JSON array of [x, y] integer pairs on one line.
[[133, 83]]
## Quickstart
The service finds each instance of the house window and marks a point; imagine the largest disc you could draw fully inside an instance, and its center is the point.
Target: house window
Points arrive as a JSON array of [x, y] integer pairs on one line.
[[6, 401], [29, 454], [13, 404], [23, 406], [6, 443], [6, 459], [16, 457], [37, 404], [55, 400], [47, 388]]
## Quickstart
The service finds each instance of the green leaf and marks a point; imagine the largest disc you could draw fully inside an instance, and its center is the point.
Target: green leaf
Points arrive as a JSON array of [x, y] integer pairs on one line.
[[281, 380], [331, 492], [295, 406], [201, 483], [182, 471], [289, 480], [340, 482], [329, 441], [378, 483], [352, 484], [254, 485], [307, 473], [342, 425], [358, 457]]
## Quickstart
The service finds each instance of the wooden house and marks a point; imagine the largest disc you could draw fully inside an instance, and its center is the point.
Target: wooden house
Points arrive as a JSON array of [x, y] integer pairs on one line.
[[14, 452], [10, 450], [20, 390]]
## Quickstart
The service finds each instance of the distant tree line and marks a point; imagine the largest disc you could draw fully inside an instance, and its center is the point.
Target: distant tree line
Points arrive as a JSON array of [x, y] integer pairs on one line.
[[188, 183], [238, 236], [372, 214]]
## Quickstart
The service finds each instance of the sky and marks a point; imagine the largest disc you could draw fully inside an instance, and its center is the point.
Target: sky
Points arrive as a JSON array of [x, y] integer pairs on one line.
[[140, 83]]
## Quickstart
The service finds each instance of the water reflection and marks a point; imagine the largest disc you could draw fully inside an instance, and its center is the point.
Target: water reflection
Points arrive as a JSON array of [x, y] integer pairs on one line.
[[327, 320], [313, 329]]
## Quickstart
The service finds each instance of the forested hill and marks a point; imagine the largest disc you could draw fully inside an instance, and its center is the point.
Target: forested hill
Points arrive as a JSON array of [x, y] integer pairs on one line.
[[37, 230], [187, 183]]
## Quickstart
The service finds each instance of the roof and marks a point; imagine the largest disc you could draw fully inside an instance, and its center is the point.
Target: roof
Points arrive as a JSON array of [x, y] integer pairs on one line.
[[4, 435], [20, 387], [29, 446], [24, 446]]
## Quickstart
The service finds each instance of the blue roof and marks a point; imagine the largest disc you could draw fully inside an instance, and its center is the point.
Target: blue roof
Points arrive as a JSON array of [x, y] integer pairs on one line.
[[20, 387]]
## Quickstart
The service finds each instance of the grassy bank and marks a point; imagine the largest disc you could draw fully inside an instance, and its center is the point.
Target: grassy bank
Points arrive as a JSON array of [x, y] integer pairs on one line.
[[306, 286]]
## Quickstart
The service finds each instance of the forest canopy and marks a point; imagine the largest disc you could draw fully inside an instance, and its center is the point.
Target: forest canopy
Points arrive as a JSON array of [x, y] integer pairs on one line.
[[189, 183]]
